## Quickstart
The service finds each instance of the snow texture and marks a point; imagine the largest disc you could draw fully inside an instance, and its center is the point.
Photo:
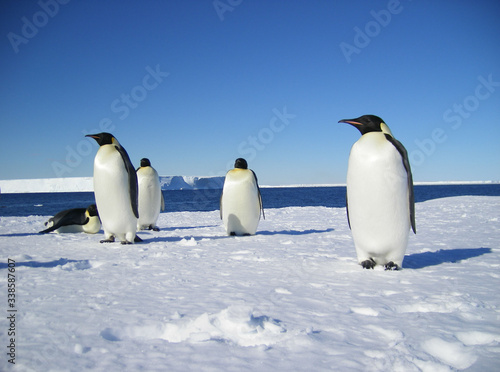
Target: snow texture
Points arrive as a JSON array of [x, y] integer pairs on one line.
[[290, 298], [77, 184]]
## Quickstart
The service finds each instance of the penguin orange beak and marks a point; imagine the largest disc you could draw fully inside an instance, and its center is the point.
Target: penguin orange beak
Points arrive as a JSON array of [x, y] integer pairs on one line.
[[350, 121], [94, 136]]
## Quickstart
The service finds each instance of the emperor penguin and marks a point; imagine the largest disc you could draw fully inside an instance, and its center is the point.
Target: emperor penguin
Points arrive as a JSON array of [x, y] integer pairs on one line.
[[241, 201], [74, 220], [380, 201], [150, 196], [115, 189]]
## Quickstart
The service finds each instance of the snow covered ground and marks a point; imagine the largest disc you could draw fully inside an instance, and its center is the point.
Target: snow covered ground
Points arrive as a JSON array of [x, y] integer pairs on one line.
[[291, 298]]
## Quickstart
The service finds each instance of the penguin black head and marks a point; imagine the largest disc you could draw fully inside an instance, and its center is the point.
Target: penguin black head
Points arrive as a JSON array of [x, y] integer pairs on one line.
[[104, 138], [366, 123], [92, 209], [145, 162], [241, 163]]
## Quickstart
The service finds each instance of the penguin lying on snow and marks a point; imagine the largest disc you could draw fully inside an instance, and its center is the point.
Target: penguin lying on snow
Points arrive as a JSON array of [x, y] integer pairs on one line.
[[115, 189], [150, 196], [241, 202], [74, 220], [380, 200]]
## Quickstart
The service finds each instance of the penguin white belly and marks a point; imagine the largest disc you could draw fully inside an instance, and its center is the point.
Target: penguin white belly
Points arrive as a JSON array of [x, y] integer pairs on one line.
[[111, 188], [240, 202], [149, 197], [93, 226], [378, 204]]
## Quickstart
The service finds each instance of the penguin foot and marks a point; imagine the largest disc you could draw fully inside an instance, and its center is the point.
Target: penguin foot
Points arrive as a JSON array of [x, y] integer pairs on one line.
[[368, 264], [232, 233], [156, 228], [391, 266], [126, 242], [137, 240], [109, 240]]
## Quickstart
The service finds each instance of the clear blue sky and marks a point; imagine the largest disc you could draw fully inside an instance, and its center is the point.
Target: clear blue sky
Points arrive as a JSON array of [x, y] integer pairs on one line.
[[193, 85]]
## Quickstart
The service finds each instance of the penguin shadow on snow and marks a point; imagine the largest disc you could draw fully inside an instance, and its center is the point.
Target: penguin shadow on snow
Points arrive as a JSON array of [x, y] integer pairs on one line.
[[150, 237], [174, 228], [79, 264], [15, 235], [176, 239], [294, 232], [427, 259]]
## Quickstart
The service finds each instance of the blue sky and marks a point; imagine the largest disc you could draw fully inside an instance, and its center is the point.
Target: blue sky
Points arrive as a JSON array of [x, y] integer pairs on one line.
[[193, 85]]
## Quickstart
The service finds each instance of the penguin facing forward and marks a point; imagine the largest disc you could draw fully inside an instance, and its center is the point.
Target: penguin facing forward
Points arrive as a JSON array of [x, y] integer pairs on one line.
[[150, 196], [115, 189], [380, 201], [240, 201], [74, 220]]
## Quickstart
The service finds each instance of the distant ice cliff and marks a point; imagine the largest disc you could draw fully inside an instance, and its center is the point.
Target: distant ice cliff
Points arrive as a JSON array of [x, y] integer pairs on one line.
[[76, 184]]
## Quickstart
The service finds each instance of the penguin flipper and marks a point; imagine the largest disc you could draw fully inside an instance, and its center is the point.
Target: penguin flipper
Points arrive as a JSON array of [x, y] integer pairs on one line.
[[67, 217], [220, 204], [261, 206], [406, 163], [347, 210], [260, 196], [50, 229], [132, 179], [162, 203], [220, 199]]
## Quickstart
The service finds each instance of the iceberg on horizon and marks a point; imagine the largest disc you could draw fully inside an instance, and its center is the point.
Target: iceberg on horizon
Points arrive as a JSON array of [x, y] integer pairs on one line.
[[85, 184]]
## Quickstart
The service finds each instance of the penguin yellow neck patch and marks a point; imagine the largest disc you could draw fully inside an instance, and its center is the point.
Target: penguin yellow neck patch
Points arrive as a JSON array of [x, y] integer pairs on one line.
[[385, 129]]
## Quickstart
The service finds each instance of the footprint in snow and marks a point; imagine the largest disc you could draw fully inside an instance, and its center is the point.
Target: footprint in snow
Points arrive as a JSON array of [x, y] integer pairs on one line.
[[477, 338], [368, 311], [454, 354], [236, 325]]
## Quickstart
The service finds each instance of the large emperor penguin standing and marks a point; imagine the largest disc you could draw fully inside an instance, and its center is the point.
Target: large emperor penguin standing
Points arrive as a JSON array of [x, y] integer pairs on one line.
[[241, 202], [380, 200], [115, 189], [150, 196]]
